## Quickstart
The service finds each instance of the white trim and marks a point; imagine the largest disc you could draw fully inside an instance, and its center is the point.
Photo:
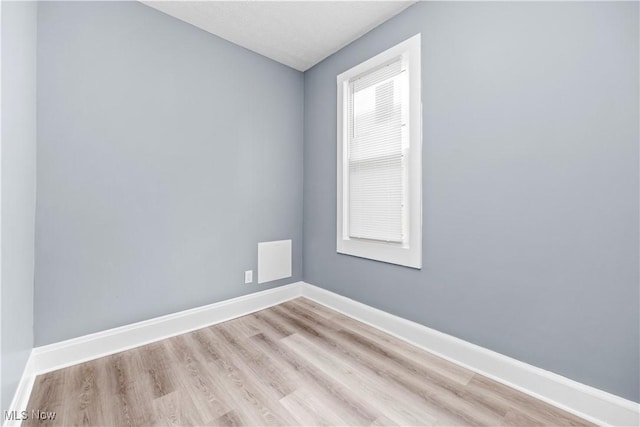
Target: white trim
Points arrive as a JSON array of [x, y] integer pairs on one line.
[[582, 400], [88, 347], [23, 392], [409, 253]]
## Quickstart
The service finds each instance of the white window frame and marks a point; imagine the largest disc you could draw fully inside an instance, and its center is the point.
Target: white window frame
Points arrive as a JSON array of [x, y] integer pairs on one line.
[[409, 252]]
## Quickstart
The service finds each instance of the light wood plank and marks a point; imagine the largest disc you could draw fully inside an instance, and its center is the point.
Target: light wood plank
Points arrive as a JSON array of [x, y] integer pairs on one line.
[[298, 363]]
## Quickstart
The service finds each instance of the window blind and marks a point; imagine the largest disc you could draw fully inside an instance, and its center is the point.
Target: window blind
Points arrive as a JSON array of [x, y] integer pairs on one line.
[[375, 154]]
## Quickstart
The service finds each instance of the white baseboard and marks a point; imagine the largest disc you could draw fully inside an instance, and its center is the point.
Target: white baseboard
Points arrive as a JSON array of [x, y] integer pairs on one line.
[[585, 401], [23, 392], [88, 347]]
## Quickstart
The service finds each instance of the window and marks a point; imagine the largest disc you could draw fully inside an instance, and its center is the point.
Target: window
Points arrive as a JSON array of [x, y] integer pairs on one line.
[[379, 157]]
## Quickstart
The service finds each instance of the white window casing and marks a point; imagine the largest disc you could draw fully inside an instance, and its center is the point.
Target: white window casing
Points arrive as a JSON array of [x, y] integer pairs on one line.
[[379, 194]]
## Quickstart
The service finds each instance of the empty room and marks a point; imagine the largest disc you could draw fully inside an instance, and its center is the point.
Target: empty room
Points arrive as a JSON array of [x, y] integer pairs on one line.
[[320, 213]]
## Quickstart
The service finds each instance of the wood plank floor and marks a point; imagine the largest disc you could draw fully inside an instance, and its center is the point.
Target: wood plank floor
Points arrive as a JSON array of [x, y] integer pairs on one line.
[[297, 363]]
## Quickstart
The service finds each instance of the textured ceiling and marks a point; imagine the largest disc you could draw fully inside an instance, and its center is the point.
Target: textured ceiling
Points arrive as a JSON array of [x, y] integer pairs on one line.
[[296, 33]]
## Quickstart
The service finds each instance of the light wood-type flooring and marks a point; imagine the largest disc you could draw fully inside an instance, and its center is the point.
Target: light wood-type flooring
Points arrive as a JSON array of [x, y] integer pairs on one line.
[[297, 363]]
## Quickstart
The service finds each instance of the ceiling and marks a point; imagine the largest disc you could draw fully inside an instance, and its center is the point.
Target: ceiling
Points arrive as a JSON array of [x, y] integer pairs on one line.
[[296, 33]]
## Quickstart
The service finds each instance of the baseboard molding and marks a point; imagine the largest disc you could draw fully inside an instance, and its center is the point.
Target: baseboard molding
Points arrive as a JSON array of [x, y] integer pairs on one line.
[[23, 392], [587, 402], [88, 347], [590, 403]]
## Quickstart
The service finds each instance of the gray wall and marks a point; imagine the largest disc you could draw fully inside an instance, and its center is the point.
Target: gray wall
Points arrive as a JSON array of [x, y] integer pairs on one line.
[[18, 190], [530, 184], [165, 155]]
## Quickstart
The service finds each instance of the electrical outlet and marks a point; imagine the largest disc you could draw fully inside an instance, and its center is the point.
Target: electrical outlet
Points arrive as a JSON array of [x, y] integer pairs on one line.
[[248, 276]]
